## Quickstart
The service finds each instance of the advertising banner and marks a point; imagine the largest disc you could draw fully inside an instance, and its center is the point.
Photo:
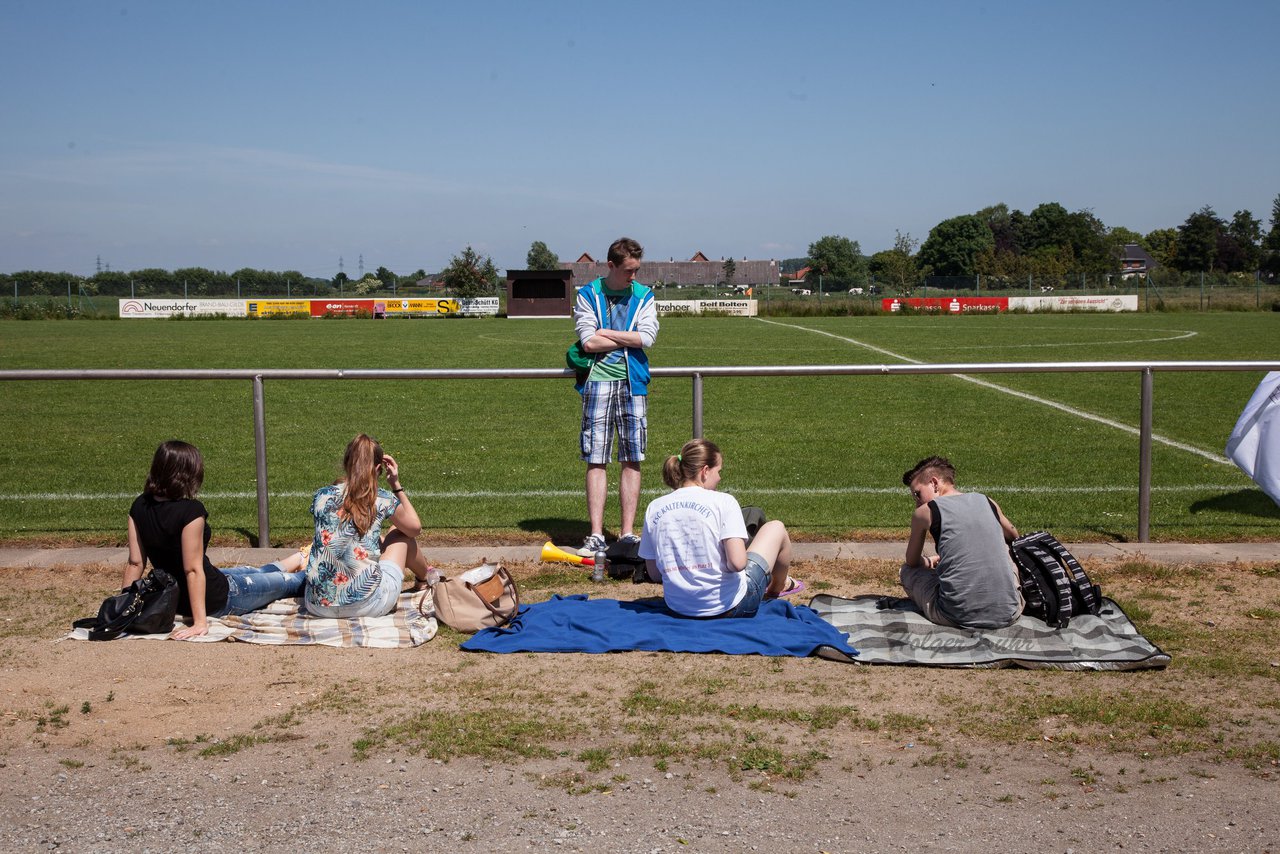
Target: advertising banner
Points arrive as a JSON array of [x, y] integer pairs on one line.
[[329, 307], [1127, 302], [478, 307], [948, 305], [406, 307], [735, 307], [133, 307], [271, 307]]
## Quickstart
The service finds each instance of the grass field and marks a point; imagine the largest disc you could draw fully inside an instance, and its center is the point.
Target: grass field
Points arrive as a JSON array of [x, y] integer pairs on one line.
[[499, 458]]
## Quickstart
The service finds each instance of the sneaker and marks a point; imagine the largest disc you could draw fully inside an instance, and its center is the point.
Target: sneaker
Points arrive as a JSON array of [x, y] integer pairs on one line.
[[592, 544], [629, 539]]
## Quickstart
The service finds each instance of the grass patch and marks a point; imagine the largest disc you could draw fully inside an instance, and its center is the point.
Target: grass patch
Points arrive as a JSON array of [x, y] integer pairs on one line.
[[490, 733], [488, 476]]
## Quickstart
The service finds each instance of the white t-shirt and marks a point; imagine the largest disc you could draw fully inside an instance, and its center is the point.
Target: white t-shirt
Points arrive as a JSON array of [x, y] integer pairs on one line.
[[684, 534]]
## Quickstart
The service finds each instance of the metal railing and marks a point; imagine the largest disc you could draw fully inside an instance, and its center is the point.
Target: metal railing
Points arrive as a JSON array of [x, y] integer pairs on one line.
[[697, 374]]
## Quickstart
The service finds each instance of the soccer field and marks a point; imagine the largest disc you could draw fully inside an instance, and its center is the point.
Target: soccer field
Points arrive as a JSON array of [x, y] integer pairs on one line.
[[499, 457]]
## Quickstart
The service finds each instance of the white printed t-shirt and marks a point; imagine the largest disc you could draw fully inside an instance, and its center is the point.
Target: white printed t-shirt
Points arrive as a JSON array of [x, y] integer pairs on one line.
[[684, 534]]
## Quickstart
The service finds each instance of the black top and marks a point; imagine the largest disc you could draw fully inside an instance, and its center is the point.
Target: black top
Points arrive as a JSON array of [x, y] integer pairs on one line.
[[160, 525]]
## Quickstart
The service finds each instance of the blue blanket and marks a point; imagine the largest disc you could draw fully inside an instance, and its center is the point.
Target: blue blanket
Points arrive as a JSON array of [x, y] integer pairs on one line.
[[578, 624]]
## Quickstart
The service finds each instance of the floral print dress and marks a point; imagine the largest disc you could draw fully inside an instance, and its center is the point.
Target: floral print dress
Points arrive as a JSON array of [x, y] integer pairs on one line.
[[343, 566]]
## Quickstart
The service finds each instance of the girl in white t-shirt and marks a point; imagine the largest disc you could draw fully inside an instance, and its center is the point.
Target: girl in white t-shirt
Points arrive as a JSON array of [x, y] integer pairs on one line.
[[695, 542]]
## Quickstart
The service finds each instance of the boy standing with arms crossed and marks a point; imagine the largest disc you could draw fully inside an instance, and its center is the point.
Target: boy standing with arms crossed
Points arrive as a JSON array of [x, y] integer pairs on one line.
[[616, 321]]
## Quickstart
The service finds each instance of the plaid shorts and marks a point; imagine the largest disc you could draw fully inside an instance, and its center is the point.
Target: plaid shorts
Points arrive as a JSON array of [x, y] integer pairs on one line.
[[609, 409]]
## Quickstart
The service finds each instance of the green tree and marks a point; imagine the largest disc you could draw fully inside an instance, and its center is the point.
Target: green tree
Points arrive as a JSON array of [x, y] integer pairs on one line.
[[1198, 241], [112, 283], [470, 275], [1005, 227], [1271, 243], [386, 277], [953, 245], [1162, 243], [1050, 225], [541, 258], [838, 260], [365, 286], [152, 281], [897, 267], [1246, 230], [1119, 237], [728, 270]]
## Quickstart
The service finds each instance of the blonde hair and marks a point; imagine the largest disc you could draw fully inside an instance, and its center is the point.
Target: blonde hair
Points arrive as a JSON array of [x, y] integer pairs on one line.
[[685, 465], [360, 465]]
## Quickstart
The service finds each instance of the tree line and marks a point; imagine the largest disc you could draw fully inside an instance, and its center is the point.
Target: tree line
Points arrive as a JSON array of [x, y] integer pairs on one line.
[[995, 242], [1050, 242]]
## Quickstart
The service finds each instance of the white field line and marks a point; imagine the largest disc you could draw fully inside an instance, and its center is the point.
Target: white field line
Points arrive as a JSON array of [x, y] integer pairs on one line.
[[577, 493], [1053, 404], [1179, 337]]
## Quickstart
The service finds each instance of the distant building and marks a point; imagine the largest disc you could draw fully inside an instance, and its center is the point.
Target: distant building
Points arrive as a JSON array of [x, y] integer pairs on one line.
[[1136, 261], [698, 271], [798, 277]]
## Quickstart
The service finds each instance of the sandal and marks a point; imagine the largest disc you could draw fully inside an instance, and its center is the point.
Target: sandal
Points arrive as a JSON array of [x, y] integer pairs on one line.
[[793, 587]]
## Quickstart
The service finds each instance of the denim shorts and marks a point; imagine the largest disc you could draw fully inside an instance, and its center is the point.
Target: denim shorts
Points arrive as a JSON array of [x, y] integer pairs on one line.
[[609, 409], [379, 603], [758, 575]]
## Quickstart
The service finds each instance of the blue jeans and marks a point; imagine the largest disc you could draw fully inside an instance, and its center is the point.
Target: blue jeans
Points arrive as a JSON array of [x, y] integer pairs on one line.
[[252, 587], [757, 572]]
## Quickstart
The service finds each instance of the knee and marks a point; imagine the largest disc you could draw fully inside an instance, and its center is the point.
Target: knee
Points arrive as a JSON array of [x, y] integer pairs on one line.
[[903, 574], [778, 529]]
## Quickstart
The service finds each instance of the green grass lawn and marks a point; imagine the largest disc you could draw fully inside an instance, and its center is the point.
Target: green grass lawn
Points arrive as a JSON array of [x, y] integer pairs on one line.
[[825, 454]]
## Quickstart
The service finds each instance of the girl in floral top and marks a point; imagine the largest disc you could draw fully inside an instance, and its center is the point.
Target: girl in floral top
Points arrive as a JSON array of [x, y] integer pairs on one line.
[[353, 571]]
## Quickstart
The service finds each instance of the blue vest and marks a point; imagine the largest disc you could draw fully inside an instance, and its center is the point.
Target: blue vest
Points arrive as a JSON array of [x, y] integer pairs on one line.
[[637, 360]]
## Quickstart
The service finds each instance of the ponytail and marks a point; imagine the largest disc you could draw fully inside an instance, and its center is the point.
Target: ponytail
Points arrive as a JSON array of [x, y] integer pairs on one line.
[[685, 465]]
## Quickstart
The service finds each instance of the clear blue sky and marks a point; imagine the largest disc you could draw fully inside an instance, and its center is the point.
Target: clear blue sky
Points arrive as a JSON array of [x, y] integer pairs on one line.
[[282, 135]]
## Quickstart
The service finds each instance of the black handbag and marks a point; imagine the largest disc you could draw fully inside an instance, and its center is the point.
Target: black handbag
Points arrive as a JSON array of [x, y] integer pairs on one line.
[[146, 607]]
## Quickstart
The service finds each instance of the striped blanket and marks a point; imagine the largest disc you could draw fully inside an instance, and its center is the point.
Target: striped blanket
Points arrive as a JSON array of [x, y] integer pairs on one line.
[[902, 635], [280, 623]]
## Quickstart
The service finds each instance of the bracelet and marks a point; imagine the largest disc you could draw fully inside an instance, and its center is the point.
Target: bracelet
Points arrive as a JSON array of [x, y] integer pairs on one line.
[[397, 489]]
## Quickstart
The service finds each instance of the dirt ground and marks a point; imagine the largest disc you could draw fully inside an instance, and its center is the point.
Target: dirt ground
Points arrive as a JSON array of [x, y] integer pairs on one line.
[[140, 745]]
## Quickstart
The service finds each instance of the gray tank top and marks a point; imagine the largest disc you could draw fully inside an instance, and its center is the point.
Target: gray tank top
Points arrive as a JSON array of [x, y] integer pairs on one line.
[[977, 583]]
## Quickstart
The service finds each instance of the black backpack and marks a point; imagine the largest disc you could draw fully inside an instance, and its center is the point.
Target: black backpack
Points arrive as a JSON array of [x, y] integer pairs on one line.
[[624, 560], [145, 607], [1054, 584]]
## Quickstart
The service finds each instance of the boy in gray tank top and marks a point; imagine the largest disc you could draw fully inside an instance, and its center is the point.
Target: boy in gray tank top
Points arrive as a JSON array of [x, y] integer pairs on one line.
[[971, 582]]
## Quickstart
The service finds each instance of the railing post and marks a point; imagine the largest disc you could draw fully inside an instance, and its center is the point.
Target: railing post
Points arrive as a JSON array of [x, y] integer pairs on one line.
[[260, 457], [1144, 460], [697, 406]]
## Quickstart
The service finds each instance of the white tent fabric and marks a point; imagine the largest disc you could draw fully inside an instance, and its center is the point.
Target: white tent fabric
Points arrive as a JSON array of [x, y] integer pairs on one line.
[[1254, 444]]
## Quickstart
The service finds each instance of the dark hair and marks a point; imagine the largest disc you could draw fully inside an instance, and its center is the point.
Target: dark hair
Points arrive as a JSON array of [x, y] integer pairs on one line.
[[624, 248], [360, 465], [695, 454], [939, 467], [177, 471]]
